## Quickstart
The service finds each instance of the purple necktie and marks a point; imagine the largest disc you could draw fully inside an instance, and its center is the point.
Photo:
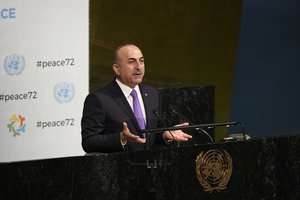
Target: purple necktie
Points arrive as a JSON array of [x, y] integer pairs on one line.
[[137, 110]]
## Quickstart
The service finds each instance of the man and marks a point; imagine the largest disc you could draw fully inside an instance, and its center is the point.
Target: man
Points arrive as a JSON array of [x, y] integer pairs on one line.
[[110, 122]]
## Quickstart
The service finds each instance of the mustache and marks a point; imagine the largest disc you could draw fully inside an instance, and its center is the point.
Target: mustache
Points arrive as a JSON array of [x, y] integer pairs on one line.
[[137, 72]]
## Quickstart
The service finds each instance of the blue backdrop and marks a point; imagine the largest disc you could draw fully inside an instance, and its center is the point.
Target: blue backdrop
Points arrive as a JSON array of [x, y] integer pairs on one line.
[[266, 91]]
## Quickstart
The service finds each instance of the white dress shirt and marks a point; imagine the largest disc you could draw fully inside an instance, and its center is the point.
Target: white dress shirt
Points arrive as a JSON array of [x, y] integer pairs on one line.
[[127, 90]]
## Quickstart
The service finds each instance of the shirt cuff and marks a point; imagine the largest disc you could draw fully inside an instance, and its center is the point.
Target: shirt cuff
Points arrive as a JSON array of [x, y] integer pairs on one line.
[[166, 141]]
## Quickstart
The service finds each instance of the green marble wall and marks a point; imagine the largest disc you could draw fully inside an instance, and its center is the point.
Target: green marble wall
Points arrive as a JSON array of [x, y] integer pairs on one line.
[[185, 43]]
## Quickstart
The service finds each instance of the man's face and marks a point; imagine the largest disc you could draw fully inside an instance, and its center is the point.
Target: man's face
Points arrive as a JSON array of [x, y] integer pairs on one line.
[[130, 68]]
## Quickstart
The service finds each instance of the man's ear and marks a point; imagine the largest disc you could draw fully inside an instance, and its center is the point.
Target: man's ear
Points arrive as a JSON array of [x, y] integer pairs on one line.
[[116, 69]]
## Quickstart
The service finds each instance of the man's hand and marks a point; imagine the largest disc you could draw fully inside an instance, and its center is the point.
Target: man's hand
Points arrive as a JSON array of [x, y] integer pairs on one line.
[[127, 136], [179, 135]]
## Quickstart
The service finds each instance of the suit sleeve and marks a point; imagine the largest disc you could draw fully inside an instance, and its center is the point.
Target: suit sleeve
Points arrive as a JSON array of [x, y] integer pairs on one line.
[[94, 137]]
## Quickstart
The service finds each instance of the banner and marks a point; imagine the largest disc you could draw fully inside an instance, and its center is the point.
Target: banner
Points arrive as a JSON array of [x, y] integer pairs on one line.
[[44, 78]]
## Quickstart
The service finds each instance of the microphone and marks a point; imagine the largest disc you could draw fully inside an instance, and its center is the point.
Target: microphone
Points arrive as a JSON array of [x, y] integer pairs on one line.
[[227, 124], [197, 129], [162, 120]]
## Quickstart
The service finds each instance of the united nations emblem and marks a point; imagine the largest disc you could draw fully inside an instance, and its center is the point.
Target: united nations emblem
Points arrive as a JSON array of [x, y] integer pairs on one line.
[[64, 92], [14, 64], [214, 169]]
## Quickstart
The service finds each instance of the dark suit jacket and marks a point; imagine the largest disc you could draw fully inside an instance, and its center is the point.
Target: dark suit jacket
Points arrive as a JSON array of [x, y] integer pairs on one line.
[[104, 113]]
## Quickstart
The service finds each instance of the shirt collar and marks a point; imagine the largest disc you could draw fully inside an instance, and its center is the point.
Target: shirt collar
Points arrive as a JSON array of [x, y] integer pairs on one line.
[[127, 90]]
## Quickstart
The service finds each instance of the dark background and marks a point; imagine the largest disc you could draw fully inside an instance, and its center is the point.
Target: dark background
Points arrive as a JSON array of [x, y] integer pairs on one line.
[[248, 49], [266, 91]]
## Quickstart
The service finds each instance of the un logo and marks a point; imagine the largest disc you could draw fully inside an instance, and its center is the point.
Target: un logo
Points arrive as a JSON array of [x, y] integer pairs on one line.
[[14, 64], [214, 169], [64, 92]]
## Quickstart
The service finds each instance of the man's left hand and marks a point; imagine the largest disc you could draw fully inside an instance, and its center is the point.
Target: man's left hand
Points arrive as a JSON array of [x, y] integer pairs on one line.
[[177, 135]]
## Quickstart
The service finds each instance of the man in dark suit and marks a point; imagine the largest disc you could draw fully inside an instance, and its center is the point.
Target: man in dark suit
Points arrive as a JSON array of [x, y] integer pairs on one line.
[[110, 123]]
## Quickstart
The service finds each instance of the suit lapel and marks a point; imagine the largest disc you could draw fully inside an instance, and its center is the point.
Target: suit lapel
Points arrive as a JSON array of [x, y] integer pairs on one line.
[[119, 97], [149, 109], [147, 102]]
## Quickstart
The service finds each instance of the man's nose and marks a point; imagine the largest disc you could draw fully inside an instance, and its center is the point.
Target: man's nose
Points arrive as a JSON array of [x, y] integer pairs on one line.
[[138, 65]]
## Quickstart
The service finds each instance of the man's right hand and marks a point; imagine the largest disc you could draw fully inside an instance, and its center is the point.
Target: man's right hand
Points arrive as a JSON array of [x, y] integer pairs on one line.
[[127, 136]]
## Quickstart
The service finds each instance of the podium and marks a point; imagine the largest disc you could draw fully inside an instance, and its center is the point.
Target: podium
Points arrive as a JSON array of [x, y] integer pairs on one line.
[[265, 168]]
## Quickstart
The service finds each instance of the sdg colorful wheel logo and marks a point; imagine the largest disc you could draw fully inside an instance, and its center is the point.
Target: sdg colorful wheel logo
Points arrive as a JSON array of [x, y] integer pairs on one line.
[[64, 92], [14, 64], [16, 125]]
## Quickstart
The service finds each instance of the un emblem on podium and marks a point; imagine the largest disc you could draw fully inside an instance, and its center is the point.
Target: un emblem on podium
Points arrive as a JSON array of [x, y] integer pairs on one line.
[[214, 169]]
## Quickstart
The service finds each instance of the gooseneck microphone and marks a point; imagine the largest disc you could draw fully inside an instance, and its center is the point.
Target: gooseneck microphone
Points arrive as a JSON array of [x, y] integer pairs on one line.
[[197, 129], [209, 126], [163, 121]]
